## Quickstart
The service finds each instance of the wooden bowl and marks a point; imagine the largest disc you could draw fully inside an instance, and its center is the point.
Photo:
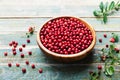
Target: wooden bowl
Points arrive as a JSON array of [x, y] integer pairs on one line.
[[70, 57]]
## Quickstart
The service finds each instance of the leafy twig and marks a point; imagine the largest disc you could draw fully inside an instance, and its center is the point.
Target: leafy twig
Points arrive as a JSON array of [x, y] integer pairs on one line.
[[106, 10]]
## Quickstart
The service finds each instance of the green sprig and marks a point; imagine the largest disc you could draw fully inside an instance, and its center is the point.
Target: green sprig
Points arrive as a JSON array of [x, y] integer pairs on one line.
[[106, 10]]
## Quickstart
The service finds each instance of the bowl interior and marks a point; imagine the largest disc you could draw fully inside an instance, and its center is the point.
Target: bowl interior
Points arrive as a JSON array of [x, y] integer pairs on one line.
[[70, 55]]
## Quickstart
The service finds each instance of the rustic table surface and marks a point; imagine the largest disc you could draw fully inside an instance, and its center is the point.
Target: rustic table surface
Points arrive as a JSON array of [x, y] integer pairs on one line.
[[15, 18]]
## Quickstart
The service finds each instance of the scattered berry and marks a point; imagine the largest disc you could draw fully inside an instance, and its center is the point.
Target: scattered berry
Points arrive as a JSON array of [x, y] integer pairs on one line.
[[5, 53], [99, 67], [107, 45], [29, 53], [14, 52], [31, 30], [20, 49], [40, 70], [9, 65], [13, 49], [33, 66], [100, 40], [105, 35], [112, 40], [27, 62], [13, 42], [28, 40], [22, 55], [17, 65], [116, 49], [14, 45], [23, 70], [10, 44], [23, 45]]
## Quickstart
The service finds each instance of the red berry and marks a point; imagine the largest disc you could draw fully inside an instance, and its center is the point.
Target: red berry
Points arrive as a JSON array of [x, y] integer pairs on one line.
[[29, 53], [23, 70], [20, 49], [112, 40], [13, 42], [105, 35], [107, 45], [116, 49], [31, 29], [5, 53], [10, 44], [9, 65], [23, 45], [103, 57], [13, 49], [22, 55], [14, 45], [33, 66], [100, 40], [27, 62], [14, 52], [40, 70], [17, 65], [28, 40], [99, 67]]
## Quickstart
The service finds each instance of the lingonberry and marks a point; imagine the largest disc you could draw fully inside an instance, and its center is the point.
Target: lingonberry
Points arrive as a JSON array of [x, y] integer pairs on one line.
[[112, 40], [99, 67], [9, 65], [14, 52], [23, 70], [5, 53], [27, 62], [29, 53], [28, 40], [105, 35], [100, 40], [33, 66], [40, 70], [17, 65], [23, 45], [22, 55], [20, 49]]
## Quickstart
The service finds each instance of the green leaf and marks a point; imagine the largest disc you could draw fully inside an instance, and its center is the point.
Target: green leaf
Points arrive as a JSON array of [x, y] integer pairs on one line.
[[101, 6], [97, 13], [110, 71], [112, 5], [106, 6], [105, 18]]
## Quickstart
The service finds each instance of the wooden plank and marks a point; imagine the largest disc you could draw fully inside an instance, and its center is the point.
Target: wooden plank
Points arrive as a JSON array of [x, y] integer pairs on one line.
[[21, 24], [49, 8]]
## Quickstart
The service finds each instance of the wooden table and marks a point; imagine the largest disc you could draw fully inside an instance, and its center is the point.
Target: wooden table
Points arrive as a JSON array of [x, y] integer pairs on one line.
[[15, 18]]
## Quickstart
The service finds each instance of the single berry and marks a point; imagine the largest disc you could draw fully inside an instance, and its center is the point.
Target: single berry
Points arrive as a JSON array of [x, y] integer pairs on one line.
[[112, 40], [28, 40], [13, 49], [23, 45], [27, 62], [29, 53], [9, 65], [22, 55], [31, 30], [40, 70], [14, 45], [10, 44], [23, 70], [14, 52], [105, 35], [116, 49], [17, 65], [100, 40], [5, 53], [33, 66], [20, 49], [99, 67], [13, 42], [107, 45]]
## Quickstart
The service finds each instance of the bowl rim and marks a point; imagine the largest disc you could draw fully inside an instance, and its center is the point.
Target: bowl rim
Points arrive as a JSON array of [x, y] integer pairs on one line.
[[69, 55]]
